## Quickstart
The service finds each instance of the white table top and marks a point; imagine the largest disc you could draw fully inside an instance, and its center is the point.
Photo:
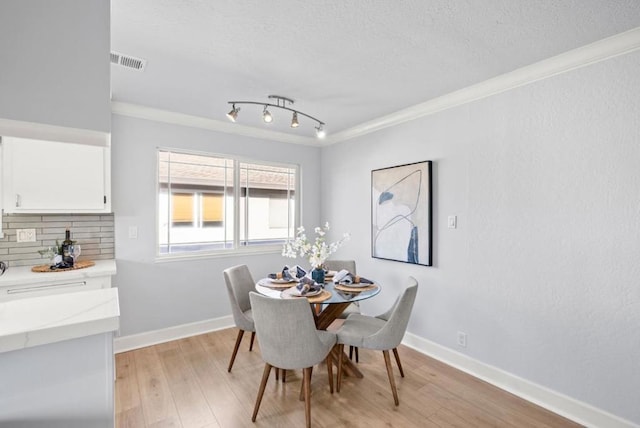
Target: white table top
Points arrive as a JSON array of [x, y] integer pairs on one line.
[[47, 319]]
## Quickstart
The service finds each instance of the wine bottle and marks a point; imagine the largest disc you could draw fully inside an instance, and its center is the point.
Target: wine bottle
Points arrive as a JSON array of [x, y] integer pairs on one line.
[[66, 250]]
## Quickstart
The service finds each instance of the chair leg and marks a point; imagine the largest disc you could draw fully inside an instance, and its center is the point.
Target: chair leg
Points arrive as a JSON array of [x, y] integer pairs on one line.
[[253, 337], [357, 355], [351, 352], [277, 374], [263, 384], [387, 362], [307, 395], [235, 349], [330, 371], [395, 354], [302, 384], [340, 351]]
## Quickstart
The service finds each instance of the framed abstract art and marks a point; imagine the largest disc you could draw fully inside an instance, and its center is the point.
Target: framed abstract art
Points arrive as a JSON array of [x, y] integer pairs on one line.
[[401, 223]]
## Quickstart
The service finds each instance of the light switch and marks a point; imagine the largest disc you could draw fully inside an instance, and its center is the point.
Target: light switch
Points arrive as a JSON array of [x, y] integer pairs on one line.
[[133, 232], [452, 222]]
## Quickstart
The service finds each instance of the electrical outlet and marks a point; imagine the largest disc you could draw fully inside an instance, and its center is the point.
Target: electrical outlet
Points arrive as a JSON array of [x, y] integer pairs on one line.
[[462, 339], [26, 235]]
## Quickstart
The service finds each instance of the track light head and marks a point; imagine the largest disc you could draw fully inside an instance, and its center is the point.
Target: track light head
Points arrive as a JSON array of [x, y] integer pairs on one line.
[[294, 120], [233, 114], [266, 116], [320, 132]]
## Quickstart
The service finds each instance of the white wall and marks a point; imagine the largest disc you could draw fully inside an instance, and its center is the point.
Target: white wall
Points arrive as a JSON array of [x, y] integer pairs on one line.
[[543, 270], [159, 295], [55, 62]]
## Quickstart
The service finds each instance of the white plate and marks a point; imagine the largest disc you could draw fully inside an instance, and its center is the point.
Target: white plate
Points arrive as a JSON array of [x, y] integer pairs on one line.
[[282, 281], [358, 285], [293, 292]]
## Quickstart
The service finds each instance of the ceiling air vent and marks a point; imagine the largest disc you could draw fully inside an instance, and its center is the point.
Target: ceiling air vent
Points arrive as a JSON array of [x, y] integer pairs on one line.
[[128, 61]]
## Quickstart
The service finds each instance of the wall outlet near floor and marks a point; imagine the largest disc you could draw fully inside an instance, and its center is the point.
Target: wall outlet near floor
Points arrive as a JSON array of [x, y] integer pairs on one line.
[[25, 235], [462, 339]]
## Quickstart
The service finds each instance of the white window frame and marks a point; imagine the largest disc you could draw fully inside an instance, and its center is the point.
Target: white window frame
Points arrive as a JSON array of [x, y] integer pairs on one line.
[[237, 248]]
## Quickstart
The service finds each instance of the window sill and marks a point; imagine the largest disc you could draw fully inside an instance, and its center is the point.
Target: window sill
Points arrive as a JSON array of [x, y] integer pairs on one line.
[[219, 254]]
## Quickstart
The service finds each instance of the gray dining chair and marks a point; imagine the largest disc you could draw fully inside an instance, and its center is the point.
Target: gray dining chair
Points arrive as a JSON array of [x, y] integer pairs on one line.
[[381, 333], [289, 340], [239, 283], [353, 308]]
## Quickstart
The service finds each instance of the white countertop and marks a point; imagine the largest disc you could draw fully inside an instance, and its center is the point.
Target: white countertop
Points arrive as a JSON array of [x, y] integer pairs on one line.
[[23, 274], [47, 319]]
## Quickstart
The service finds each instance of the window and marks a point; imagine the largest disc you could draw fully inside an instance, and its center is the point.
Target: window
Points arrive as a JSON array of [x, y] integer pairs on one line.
[[209, 203]]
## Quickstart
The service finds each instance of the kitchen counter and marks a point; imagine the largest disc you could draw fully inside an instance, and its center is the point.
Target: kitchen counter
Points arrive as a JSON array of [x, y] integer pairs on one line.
[[23, 275], [41, 320]]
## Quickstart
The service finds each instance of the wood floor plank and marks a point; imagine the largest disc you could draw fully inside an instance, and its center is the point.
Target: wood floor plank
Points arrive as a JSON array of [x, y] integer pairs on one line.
[[155, 394], [186, 383], [127, 393], [190, 402]]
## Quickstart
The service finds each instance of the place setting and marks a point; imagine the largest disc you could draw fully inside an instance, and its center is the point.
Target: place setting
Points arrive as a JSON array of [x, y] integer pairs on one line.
[[347, 282]]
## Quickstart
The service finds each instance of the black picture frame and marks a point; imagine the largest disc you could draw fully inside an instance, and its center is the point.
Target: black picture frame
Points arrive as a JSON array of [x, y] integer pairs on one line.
[[401, 213]]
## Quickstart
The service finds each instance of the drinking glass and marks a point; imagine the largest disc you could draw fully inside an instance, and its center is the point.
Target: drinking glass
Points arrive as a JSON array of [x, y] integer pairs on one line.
[[74, 252], [50, 253]]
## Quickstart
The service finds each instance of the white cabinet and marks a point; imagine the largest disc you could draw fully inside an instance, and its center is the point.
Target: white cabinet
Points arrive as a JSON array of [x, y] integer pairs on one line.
[[54, 177]]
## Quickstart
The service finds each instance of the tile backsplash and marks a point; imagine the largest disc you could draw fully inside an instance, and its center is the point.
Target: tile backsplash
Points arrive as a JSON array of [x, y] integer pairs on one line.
[[93, 232]]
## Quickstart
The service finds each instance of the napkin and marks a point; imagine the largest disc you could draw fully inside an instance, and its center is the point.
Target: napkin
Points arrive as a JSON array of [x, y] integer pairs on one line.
[[346, 277], [297, 271], [285, 274], [307, 285]]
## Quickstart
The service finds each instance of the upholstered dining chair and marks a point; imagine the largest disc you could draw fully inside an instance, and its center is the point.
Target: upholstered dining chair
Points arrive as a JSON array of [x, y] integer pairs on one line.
[[353, 308], [289, 340], [239, 283], [382, 333]]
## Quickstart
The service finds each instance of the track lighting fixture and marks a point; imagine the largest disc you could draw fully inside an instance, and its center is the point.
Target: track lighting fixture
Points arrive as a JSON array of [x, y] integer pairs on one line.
[[233, 114], [266, 116], [281, 103]]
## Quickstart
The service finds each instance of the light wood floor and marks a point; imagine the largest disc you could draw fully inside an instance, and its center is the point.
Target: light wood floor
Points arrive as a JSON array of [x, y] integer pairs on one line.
[[185, 383]]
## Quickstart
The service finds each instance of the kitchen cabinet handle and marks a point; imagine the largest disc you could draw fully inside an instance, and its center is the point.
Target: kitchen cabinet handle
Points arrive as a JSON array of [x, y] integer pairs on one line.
[[45, 287], [18, 200]]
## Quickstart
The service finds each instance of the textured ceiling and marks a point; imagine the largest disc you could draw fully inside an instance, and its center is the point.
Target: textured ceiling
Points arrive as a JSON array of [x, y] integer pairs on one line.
[[344, 62]]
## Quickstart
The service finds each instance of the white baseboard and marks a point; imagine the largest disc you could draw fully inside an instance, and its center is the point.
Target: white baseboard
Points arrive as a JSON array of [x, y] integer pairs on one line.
[[556, 402], [149, 338]]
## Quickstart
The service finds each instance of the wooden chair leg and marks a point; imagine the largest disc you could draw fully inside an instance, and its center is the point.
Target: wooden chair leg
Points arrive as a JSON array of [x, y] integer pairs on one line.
[[351, 352], [307, 395], [277, 374], [302, 384], [235, 349], [263, 384], [340, 351], [253, 337], [395, 354], [357, 355], [330, 371], [387, 362], [284, 375]]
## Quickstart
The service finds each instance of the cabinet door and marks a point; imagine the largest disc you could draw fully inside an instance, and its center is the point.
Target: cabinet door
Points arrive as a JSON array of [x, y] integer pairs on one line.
[[46, 176]]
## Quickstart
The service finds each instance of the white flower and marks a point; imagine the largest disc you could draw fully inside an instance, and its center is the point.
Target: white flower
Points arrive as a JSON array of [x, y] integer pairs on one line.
[[318, 252]]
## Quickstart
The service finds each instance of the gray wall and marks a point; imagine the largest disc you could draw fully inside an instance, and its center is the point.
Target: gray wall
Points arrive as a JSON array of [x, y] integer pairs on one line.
[[542, 272], [158, 295], [55, 62]]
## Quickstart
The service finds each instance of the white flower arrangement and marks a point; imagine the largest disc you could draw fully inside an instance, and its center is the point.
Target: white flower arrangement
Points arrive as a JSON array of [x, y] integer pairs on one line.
[[317, 252]]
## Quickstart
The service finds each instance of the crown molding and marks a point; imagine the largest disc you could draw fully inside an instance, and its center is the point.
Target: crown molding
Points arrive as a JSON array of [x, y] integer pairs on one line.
[[601, 50], [175, 118], [44, 131]]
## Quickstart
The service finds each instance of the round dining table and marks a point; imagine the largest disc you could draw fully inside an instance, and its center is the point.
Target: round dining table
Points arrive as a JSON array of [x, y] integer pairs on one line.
[[327, 305]]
